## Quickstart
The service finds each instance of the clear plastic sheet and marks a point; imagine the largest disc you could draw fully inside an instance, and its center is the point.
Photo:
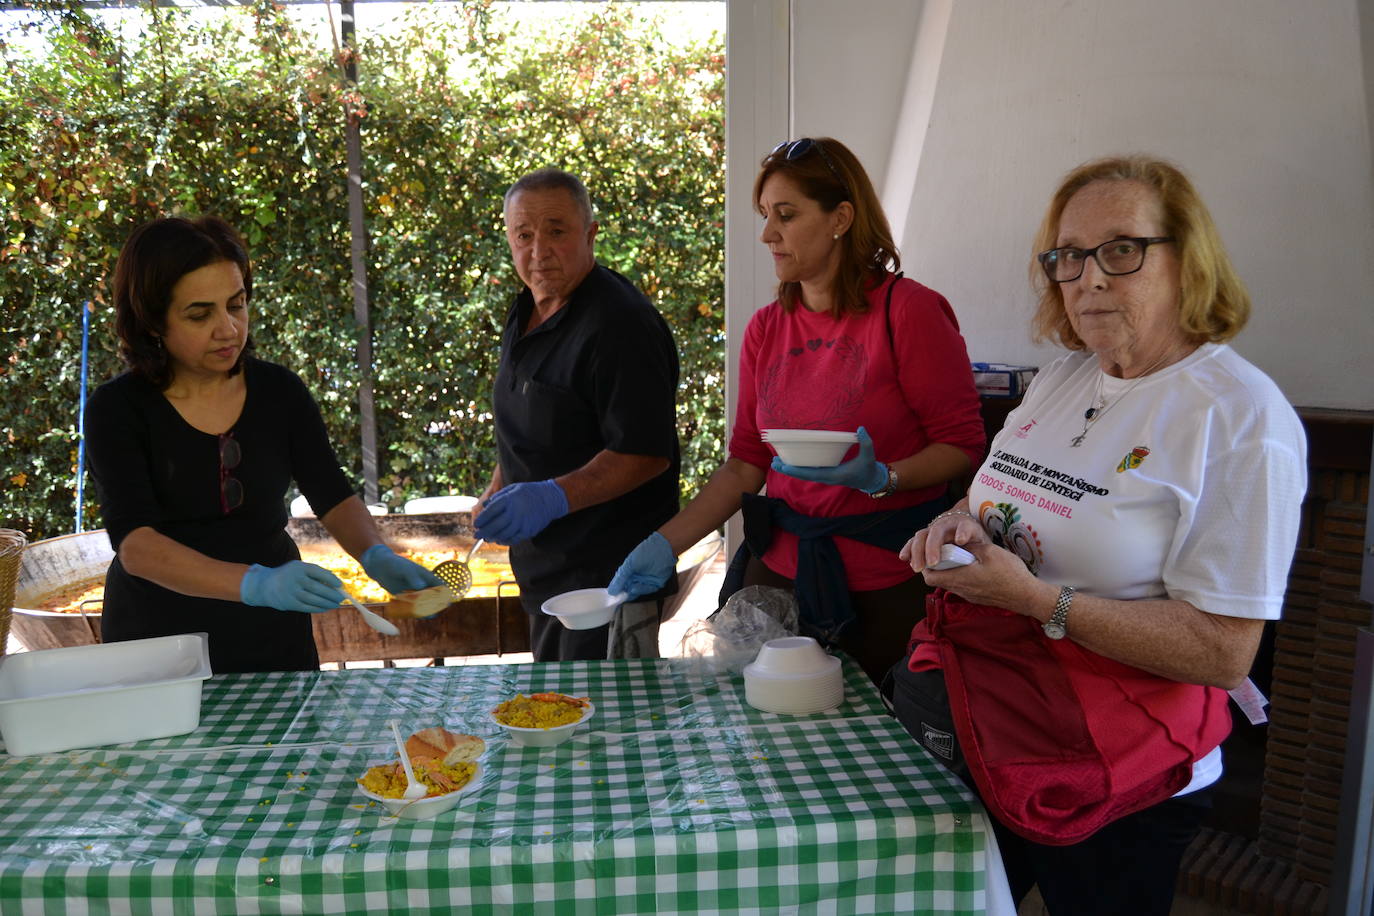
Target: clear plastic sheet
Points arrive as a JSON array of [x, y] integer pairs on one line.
[[260, 803], [731, 638]]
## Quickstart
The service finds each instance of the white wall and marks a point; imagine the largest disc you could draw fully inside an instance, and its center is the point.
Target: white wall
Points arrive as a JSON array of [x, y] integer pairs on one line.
[[834, 65], [757, 54], [1263, 102]]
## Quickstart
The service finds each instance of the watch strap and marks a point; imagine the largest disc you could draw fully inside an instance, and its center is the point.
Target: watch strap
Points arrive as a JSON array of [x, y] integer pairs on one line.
[[888, 488], [1057, 627]]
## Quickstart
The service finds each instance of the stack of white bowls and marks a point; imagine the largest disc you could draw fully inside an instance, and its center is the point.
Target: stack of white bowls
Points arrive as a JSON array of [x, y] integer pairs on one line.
[[810, 448], [795, 676]]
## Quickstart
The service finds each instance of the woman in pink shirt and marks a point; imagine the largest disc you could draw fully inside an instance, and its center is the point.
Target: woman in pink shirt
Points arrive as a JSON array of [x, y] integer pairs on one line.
[[849, 345]]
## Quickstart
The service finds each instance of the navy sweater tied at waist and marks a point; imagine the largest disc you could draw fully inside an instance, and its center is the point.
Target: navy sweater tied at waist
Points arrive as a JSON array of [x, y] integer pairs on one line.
[[821, 587]]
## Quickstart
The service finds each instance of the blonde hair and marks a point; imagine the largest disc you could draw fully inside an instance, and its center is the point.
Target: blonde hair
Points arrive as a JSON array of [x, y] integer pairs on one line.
[[1213, 302], [867, 251]]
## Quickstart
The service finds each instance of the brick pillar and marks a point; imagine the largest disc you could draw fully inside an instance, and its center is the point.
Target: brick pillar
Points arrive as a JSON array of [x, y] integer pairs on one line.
[[1313, 668]]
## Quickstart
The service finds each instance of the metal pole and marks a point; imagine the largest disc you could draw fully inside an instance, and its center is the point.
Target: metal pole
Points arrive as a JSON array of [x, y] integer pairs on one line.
[[81, 417], [358, 231]]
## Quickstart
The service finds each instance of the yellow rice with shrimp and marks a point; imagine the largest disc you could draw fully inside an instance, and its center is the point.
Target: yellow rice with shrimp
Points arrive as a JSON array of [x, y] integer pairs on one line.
[[389, 779], [540, 710]]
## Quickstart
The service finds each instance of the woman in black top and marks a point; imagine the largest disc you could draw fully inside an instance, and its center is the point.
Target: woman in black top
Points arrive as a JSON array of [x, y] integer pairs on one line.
[[193, 450]]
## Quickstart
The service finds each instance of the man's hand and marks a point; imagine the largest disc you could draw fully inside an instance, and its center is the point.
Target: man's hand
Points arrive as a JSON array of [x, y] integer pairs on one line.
[[646, 568], [520, 511]]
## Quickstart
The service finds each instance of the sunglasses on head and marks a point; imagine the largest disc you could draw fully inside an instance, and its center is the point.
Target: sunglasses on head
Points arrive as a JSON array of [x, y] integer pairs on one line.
[[792, 150], [230, 487]]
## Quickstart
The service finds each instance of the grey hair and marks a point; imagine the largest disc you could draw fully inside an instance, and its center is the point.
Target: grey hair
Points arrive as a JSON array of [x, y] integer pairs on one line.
[[552, 179]]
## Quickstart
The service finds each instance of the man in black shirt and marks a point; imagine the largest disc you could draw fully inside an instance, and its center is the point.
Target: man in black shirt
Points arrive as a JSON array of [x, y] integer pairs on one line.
[[585, 422]]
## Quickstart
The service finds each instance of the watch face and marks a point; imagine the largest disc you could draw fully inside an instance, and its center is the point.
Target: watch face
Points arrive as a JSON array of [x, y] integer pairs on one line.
[[1055, 630]]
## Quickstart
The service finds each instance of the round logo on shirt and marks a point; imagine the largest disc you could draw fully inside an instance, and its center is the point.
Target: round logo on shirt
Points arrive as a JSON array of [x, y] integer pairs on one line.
[[1008, 530]]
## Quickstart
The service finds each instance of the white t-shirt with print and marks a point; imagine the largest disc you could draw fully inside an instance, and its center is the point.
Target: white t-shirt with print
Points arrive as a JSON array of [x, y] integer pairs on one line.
[[1188, 485]]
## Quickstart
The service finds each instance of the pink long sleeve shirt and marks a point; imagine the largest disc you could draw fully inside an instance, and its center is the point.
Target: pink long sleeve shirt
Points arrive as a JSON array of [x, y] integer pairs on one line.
[[909, 385]]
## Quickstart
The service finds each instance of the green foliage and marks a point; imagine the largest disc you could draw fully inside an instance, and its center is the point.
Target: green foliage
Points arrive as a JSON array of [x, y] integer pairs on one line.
[[243, 117]]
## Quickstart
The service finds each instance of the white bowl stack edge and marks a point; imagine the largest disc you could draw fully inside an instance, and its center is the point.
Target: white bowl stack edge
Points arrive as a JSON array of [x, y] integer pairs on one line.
[[793, 676]]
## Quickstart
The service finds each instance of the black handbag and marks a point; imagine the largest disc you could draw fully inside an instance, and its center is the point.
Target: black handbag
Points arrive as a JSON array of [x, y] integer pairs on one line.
[[920, 701]]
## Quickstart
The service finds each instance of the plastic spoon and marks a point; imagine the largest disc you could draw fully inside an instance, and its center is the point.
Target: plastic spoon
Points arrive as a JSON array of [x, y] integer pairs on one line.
[[376, 621], [414, 788]]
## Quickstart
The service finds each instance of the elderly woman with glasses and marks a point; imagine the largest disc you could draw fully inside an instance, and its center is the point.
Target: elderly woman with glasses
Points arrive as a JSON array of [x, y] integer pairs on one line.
[[1131, 532], [193, 449], [849, 346]]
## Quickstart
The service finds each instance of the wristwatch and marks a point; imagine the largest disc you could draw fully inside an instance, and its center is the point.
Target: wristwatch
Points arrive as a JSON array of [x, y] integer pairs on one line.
[[889, 487], [1057, 627]]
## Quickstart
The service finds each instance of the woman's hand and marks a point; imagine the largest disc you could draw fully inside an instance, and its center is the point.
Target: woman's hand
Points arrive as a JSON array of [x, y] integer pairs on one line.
[[862, 472], [645, 570], [395, 573], [997, 577], [956, 526], [293, 586]]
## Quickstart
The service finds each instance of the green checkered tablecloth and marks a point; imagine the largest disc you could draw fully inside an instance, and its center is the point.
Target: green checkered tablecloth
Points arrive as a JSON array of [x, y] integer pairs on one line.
[[676, 797]]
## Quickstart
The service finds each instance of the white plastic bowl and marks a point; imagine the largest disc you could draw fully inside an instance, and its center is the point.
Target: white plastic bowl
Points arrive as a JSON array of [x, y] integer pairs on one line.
[[793, 675], [86, 696], [810, 435], [810, 448], [427, 807], [544, 737], [582, 609], [792, 656]]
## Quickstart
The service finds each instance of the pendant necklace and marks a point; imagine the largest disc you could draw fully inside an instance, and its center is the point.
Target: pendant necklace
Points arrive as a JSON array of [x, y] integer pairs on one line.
[[1098, 406]]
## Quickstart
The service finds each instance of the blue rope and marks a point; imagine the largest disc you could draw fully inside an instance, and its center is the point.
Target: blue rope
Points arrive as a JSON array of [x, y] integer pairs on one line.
[[81, 416]]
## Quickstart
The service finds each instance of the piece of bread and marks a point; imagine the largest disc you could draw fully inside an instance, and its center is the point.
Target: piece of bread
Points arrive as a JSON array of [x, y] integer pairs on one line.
[[425, 602], [444, 745]]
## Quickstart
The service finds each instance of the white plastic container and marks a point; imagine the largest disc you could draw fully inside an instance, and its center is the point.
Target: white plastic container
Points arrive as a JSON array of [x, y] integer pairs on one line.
[[87, 696], [422, 505]]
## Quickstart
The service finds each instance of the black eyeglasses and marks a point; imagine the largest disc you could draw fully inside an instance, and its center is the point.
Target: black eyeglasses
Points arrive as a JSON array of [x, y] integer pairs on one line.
[[792, 150], [1116, 257], [230, 488]]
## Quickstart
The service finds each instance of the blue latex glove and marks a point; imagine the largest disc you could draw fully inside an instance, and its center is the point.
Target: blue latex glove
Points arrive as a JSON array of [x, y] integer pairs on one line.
[[520, 511], [393, 573], [294, 586], [862, 472], [646, 568]]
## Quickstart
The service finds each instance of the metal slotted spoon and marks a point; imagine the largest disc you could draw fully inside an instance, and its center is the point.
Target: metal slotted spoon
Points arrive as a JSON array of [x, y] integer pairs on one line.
[[456, 574]]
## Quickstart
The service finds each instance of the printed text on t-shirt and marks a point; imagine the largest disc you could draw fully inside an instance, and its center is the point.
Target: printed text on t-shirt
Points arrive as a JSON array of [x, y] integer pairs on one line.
[[1037, 475]]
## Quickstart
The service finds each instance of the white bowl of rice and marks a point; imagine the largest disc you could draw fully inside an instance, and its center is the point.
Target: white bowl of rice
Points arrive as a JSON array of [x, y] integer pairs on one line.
[[386, 782], [542, 719]]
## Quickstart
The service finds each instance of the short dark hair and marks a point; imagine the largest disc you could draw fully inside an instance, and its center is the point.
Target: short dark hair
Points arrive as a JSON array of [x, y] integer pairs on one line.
[[552, 179], [154, 258]]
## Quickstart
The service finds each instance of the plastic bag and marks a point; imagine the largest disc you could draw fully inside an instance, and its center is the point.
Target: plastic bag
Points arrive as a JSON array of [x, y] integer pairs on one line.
[[731, 638]]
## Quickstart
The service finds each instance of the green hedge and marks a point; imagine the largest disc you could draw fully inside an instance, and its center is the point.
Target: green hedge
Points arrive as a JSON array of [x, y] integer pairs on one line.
[[245, 118]]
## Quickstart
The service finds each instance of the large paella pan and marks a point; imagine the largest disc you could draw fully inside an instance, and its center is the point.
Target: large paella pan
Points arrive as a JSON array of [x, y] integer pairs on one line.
[[57, 597]]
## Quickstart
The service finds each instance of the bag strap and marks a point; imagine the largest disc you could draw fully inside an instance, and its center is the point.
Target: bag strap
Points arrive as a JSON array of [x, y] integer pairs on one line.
[[887, 316], [892, 341]]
